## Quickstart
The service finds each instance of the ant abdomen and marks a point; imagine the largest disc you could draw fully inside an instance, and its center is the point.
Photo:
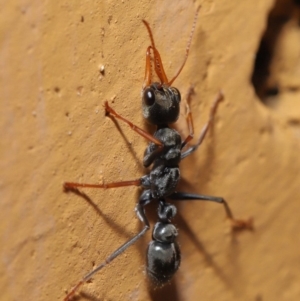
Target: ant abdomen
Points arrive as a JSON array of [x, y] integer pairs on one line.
[[163, 256]]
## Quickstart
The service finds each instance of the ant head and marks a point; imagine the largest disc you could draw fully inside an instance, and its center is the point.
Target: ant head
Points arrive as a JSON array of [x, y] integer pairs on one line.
[[161, 101], [161, 104]]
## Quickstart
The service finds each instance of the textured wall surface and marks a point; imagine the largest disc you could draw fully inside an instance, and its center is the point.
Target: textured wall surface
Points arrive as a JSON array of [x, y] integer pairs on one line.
[[53, 129]]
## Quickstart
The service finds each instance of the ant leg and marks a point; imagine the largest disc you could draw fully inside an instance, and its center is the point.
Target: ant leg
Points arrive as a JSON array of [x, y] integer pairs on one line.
[[236, 224], [144, 181], [111, 111], [189, 117], [141, 215], [71, 185], [213, 110]]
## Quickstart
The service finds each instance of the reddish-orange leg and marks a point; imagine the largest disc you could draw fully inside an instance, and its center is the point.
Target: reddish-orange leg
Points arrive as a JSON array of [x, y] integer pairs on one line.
[[70, 185], [189, 117], [205, 128], [112, 112], [112, 256]]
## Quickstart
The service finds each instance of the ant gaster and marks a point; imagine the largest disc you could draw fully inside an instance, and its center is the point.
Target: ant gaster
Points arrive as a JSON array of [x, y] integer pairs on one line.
[[161, 107]]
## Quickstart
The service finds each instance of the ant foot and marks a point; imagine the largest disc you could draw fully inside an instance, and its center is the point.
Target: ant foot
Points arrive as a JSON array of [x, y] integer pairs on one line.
[[107, 108], [240, 224]]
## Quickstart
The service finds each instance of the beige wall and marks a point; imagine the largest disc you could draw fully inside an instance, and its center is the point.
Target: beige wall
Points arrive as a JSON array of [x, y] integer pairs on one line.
[[53, 129]]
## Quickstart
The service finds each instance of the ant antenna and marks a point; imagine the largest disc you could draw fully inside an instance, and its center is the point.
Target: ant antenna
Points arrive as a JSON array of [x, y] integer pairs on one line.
[[158, 66], [187, 48]]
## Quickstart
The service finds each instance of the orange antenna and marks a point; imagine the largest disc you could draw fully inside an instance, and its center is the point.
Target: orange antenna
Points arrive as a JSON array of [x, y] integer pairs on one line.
[[148, 71], [158, 66], [187, 48]]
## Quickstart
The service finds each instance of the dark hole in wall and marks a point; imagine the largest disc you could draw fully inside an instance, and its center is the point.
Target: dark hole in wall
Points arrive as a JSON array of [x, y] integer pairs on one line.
[[265, 83]]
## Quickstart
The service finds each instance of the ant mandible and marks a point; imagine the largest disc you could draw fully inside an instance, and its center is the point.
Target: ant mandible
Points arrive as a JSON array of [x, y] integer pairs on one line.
[[161, 107]]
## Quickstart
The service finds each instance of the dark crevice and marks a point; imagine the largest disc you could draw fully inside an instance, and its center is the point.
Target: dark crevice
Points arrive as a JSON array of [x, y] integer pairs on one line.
[[297, 2], [265, 83]]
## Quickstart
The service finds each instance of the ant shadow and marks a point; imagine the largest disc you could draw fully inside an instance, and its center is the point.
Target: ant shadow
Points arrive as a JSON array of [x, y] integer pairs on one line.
[[201, 248], [108, 220], [168, 292], [129, 146]]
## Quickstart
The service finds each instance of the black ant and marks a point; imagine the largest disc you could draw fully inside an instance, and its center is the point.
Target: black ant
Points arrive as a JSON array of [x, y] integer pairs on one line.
[[161, 107]]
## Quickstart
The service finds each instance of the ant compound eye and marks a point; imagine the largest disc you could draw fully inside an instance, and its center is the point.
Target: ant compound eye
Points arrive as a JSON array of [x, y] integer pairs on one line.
[[149, 97]]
